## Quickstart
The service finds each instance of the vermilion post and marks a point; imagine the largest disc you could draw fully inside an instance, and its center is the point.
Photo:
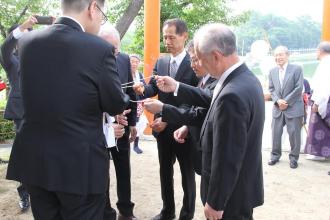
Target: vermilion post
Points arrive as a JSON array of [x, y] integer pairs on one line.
[[326, 20], [151, 41]]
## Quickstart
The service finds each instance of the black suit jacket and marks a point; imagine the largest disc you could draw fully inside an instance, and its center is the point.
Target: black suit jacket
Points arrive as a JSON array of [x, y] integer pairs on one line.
[[192, 116], [231, 140], [69, 78], [10, 63], [125, 75], [185, 74]]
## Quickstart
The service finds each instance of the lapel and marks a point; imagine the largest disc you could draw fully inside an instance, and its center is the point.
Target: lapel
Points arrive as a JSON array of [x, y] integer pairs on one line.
[[234, 74], [182, 68], [163, 67], [276, 77], [286, 76], [69, 22]]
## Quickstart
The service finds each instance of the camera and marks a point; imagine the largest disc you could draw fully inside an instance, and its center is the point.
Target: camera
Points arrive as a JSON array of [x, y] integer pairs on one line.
[[46, 20]]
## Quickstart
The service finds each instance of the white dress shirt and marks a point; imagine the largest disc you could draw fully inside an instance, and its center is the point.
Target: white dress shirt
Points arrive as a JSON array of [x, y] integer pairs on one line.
[[223, 77], [281, 73]]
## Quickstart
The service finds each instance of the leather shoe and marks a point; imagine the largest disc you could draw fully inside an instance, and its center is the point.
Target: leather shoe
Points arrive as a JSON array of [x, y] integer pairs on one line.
[[160, 216], [293, 164], [272, 162], [24, 203], [121, 217]]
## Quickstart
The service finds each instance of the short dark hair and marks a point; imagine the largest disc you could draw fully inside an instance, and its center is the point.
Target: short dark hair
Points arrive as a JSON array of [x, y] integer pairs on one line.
[[180, 25], [78, 5]]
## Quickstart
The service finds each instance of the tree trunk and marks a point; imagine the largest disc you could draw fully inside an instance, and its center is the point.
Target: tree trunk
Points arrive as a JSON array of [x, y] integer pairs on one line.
[[128, 17]]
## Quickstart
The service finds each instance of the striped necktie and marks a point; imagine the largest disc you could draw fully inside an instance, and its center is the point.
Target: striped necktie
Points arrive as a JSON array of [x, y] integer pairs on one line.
[[173, 69]]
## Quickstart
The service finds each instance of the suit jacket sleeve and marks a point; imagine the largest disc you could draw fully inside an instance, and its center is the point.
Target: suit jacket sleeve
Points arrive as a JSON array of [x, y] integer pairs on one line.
[[271, 88], [112, 98], [193, 116], [298, 78], [194, 96], [229, 148], [131, 117], [151, 88], [7, 49]]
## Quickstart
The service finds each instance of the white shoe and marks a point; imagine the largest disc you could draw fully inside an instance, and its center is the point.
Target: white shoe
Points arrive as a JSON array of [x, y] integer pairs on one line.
[[313, 157]]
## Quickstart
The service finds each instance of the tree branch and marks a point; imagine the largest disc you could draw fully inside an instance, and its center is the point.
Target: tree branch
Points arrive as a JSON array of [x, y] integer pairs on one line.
[[128, 17], [22, 13]]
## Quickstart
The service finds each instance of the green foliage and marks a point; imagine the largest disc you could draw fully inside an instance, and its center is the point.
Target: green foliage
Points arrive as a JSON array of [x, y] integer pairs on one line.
[[300, 33], [7, 129], [194, 12], [16, 11]]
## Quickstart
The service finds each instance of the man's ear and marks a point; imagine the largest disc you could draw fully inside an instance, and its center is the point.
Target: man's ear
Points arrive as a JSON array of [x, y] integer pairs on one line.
[[91, 9], [217, 55], [186, 35]]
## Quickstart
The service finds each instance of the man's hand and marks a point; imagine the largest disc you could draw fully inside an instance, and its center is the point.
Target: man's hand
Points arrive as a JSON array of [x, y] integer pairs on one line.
[[153, 105], [166, 83], [157, 125], [282, 104], [118, 129], [212, 214], [315, 108], [28, 23], [122, 119], [133, 133], [180, 134], [138, 88]]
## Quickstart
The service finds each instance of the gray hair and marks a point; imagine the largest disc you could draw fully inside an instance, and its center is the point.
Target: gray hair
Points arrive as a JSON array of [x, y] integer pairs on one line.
[[190, 46], [108, 29], [215, 36], [324, 47], [282, 48], [78, 5]]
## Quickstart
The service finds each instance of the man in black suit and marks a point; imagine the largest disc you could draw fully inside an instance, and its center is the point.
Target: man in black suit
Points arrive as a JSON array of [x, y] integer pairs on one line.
[[69, 78], [231, 135], [14, 108], [121, 154], [190, 117], [177, 65]]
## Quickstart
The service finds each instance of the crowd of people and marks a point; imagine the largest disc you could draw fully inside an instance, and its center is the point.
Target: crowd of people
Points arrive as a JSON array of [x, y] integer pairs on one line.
[[70, 80]]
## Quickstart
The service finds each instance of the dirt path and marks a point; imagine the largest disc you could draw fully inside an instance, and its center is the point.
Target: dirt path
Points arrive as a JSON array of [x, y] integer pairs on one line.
[[301, 194]]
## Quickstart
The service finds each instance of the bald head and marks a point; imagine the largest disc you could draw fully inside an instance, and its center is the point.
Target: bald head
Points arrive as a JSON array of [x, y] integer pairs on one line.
[[111, 35], [215, 36]]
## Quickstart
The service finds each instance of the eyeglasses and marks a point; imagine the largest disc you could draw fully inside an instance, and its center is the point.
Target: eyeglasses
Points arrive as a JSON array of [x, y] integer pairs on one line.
[[104, 19]]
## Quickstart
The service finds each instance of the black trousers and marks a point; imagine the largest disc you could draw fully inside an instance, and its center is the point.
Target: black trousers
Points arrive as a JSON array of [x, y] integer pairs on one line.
[[121, 160], [49, 205], [21, 189], [168, 151]]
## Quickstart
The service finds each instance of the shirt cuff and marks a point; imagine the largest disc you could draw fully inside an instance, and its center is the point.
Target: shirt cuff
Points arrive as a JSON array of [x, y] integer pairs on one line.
[[176, 89], [17, 33]]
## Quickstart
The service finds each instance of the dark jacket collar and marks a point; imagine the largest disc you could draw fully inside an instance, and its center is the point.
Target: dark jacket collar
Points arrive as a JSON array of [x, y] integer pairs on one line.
[[69, 22]]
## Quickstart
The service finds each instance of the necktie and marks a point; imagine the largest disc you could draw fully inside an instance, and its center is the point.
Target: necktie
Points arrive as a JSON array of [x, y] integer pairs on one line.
[[173, 69]]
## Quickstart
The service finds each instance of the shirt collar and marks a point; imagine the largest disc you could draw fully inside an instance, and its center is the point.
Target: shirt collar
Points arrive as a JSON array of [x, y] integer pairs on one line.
[[224, 76], [178, 58], [205, 78], [75, 20], [284, 67]]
